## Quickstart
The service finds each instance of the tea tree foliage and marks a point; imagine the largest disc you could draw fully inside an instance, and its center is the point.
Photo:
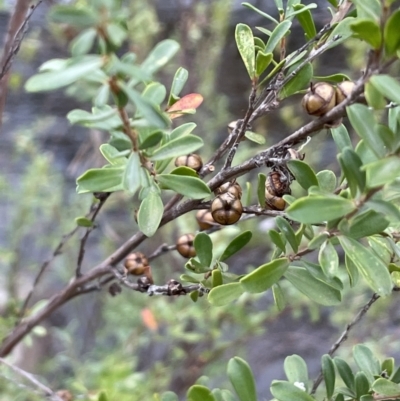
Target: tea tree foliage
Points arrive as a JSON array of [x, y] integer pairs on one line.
[[340, 234]]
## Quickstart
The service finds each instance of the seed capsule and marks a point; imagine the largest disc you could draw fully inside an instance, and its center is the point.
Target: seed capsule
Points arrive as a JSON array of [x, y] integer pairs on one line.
[[232, 187], [343, 90], [274, 202], [185, 246], [191, 160], [277, 184], [226, 209], [204, 219], [320, 98], [136, 263]]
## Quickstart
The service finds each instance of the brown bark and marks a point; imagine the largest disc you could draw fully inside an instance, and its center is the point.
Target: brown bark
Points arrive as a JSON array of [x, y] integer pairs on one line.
[[16, 21]]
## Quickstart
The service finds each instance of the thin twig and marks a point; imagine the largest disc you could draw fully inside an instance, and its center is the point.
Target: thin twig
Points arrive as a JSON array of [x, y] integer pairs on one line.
[[81, 253], [344, 336], [46, 390]]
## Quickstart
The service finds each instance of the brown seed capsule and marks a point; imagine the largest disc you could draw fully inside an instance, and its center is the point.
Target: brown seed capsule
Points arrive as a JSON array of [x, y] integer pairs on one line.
[[343, 90], [277, 184], [204, 219], [226, 209], [274, 202], [65, 395], [320, 98], [136, 263], [295, 154], [232, 187], [185, 246], [191, 160]]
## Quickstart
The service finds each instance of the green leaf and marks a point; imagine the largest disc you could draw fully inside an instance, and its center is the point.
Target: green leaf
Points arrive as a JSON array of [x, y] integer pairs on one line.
[[254, 137], [303, 14], [183, 170], [262, 278], [83, 43], [299, 81], [169, 396], [395, 376], [78, 17], [341, 32], [199, 393], [326, 180], [285, 391], [367, 30], [313, 288], [382, 171], [387, 366], [386, 387], [248, 5], [352, 271], [146, 108], [182, 130], [387, 86], [116, 34], [83, 222], [178, 83], [392, 33], [183, 145], [317, 241], [191, 187], [155, 93], [345, 372], [316, 271], [316, 209], [277, 34], [150, 138], [113, 155], [241, 377], [288, 232], [328, 259], [216, 278], [328, 372], [363, 121], [261, 189], [341, 137], [374, 98], [103, 396], [279, 297], [78, 68], [160, 55], [245, 44], [236, 245], [296, 370], [303, 173], [204, 247], [370, 9], [277, 239], [150, 213], [368, 223], [131, 176], [334, 78], [370, 266], [105, 118], [100, 180], [366, 361], [263, 60], [351, 165], [225, 294], [361, 385]]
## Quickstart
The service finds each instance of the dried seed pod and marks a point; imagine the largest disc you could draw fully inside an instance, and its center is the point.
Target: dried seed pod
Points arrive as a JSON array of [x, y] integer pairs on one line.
[[191, 160], [277, 184], [136, 263], [232, 187], [226, 209], [185, 246], [343, 90], [204, 219], [320, 98], [274, 202], [295, 154]]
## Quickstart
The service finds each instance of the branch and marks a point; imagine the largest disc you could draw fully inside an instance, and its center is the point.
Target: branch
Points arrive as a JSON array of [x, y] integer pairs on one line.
[[344, 336], [103, 196], [18, 26], [46, 390]]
